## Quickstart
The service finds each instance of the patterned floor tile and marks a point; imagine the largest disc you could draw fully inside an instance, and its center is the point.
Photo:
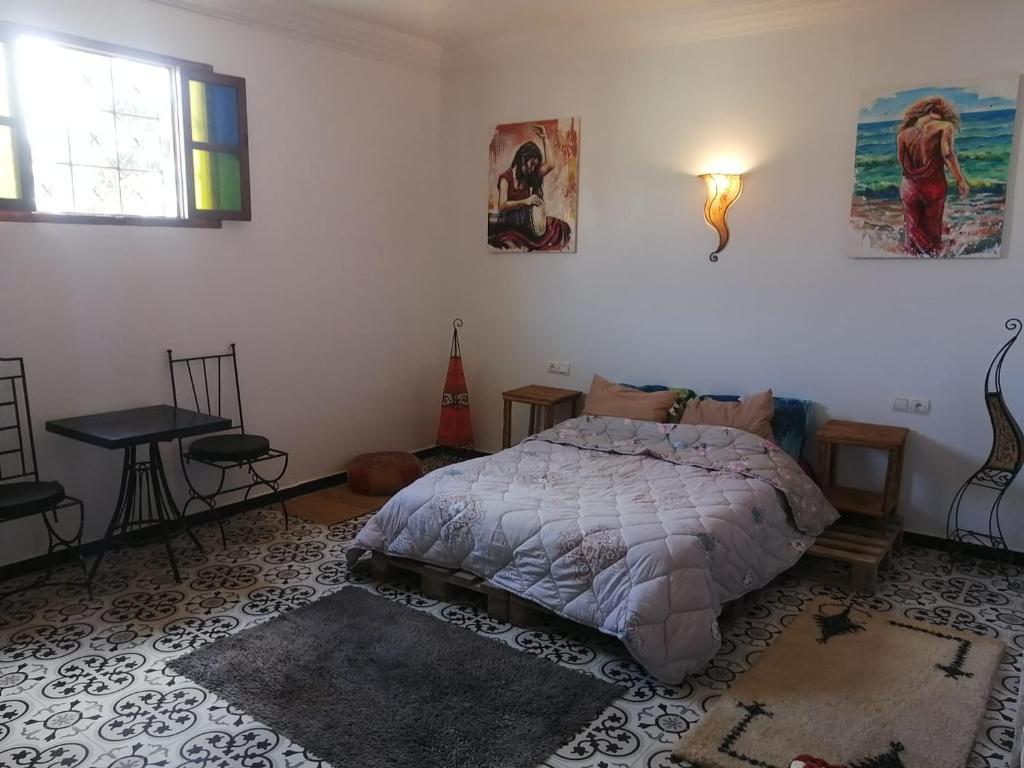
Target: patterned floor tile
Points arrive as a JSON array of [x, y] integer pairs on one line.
[[83, 680]]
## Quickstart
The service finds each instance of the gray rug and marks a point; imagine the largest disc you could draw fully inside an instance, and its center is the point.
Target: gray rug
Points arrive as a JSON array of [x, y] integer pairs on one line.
[[359, 680]]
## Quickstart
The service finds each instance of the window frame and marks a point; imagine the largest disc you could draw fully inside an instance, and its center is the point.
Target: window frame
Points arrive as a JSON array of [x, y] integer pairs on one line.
[[16, 122], [23, 209]]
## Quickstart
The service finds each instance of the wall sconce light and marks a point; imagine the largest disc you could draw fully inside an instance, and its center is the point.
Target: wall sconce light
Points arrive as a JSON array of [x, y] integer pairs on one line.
[[723, 190]]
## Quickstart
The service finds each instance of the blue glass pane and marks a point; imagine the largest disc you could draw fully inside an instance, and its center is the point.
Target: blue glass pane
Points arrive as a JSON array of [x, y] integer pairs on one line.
[[222, 113]]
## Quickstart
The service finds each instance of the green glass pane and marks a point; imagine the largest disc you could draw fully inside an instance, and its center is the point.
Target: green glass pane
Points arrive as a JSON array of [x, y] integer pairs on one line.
[[218, 181], [10, 188], [228, 179], [197, 106], [5, 101]]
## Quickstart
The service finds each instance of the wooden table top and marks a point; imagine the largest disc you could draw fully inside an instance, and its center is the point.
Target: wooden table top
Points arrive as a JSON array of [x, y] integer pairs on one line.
[[865, 435], [537, 394]]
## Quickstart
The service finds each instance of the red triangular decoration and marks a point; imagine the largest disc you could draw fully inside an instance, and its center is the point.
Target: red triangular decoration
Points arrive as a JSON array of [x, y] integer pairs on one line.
[[456, 427]]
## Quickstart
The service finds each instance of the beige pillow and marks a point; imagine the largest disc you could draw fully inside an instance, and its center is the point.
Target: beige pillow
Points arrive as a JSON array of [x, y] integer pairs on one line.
[[753, 414], [608, 399]]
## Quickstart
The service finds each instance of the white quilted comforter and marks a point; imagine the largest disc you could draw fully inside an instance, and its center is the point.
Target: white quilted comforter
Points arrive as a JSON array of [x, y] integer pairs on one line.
[[640, 530]]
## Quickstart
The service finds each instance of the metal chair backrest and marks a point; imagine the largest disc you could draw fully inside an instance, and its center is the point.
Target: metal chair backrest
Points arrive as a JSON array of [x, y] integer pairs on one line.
[[209, 384], [17, 441]]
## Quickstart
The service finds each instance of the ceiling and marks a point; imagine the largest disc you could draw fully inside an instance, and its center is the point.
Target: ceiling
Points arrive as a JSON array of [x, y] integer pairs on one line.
[[462, 34], [460, 21]]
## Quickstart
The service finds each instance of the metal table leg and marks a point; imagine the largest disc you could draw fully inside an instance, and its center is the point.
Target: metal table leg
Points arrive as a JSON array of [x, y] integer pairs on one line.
[[125, 498], [168, 498], [143, 500]]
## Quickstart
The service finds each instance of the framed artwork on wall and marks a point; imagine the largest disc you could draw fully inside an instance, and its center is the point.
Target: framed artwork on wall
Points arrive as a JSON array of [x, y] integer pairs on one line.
[[534, 186], [932, 167]]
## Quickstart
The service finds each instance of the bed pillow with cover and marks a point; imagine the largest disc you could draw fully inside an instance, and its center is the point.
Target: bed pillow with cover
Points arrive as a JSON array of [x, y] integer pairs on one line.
[[682, 394], [615, 400], [752, 414], [790, 421]]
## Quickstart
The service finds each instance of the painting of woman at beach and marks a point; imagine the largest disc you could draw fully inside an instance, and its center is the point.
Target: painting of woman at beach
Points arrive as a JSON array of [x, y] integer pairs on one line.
[[533, 190], [931, 171]]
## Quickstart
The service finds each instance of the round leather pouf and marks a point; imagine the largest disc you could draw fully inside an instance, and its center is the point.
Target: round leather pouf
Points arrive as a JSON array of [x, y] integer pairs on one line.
[[383, 473]]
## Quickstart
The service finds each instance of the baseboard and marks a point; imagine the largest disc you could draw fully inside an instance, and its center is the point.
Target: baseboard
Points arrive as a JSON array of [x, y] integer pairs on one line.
[[462, 453], [90, 548], [328, 481], [972, 550]]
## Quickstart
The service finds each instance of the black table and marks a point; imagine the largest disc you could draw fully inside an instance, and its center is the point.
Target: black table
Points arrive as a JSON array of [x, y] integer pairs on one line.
[[144, 497]]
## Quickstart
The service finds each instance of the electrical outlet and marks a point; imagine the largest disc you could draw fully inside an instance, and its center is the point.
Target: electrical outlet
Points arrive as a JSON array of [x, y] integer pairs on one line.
[[912, 405], [921, 407], [552, 367], [563, 369], [555, 368]]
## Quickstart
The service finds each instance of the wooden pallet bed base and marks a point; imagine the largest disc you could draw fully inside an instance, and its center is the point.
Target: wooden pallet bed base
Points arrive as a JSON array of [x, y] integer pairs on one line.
[[865, 549], [444, 584]]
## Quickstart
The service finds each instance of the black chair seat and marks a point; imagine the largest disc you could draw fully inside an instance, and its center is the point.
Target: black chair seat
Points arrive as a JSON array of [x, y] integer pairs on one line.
[[29, 498], [229, 447]]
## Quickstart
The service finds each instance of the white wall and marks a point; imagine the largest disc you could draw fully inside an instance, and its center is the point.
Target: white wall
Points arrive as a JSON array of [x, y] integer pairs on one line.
[[332, 292], [784, 308]]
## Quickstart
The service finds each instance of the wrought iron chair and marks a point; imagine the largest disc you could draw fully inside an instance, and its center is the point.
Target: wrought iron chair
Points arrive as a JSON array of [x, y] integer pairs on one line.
[[205, 377], [22, 493], [1004, 461]]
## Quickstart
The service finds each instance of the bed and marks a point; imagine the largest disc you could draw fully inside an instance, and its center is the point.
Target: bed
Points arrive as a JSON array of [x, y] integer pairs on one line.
[[639, 529]]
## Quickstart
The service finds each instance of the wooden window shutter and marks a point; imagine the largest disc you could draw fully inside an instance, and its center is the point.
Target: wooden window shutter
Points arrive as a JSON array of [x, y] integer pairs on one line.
[[216, 145]]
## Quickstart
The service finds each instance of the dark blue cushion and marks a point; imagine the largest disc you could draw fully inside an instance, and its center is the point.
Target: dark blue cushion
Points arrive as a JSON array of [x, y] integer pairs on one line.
[[234, 447], [789, 423], [28, 498]]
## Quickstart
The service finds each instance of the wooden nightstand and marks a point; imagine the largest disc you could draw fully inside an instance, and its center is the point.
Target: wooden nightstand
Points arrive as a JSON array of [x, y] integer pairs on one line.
[[854, 501], [536, 396], [870, 527]]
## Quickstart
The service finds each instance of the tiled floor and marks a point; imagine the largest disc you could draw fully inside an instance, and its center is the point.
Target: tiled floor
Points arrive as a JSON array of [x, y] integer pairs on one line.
[[82, 680]]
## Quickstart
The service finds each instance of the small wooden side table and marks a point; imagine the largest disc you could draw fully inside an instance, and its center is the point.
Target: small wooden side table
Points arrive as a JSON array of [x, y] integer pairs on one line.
[[855, 501], [865, 547], [537, 397]]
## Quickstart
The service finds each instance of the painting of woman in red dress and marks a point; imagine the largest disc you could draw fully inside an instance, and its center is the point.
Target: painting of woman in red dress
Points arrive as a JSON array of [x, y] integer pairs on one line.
[[931, 170], [532, 205], [924, 149]]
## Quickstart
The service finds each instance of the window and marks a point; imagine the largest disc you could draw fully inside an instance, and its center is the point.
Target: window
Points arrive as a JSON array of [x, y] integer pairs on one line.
[[98, 134]]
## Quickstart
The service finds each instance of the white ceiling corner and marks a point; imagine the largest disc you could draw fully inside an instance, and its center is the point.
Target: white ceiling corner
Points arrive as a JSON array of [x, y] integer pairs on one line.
[[462, 34], [322, 25], [686, 22]]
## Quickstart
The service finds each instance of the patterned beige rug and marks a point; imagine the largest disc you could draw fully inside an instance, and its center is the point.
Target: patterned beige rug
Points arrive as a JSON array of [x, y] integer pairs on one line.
[[843, 687]]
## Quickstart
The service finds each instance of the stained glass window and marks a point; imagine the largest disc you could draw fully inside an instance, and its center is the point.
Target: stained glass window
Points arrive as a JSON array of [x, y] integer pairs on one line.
[[97, 131], [5, 99], [218, 181], [197, 107], [9, 186], [214, 113], [216, 142]]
